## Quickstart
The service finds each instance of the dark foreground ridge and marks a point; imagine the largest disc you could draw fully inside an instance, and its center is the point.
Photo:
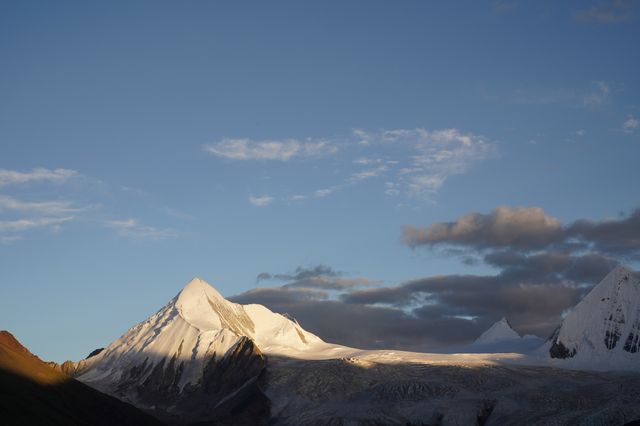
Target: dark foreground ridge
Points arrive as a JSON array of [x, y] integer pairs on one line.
[[34, 393]]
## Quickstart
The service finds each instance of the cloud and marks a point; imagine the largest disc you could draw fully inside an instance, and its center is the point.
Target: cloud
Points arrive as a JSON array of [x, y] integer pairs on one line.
[[436, 156], [44, 207], [132, 228], [599, 96], [522, 228], [630, 125], [434, 312], [528, 229], [533, 292], [503, 7], [368, 174], [422, 159], [543, 268], [280, 296], [262, 201], [8, 239], [282, 150], [26, 224], [363, 326], [318, 277], [10, 177], [596, 96], [364, 161], [26, 212], [39, 214], [321, 193], [620, 237], [608, 12]]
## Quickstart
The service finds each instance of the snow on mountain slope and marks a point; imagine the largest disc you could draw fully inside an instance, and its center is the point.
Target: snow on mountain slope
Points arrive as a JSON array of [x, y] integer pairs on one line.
[[603, 330], [502, 338], [175, 353], [498, 332], [195, 325]]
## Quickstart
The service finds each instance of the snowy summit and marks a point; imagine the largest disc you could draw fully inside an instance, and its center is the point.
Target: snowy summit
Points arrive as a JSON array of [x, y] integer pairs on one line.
[[499, 332], [604, 328]]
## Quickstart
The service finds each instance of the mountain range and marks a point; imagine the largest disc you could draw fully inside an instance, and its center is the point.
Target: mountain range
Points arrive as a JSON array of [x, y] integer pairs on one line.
[[204, 360]]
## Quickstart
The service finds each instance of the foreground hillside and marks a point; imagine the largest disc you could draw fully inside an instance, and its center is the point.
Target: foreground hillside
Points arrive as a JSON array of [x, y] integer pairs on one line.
[[34, 393]]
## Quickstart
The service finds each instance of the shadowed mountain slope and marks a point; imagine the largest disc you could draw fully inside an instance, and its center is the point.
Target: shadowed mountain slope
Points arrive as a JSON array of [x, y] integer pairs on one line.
[[33, 393]]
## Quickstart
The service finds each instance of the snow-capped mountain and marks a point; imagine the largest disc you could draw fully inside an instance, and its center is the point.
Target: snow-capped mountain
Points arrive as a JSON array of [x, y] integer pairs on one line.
[[193, 354], [501, 337], [604, 328], [498, 332]]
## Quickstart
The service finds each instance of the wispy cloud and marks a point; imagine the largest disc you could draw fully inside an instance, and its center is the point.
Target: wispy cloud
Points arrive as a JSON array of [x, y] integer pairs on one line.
[[368, 174], [608, 12], [600, 95], [49, 215], [25, 224], [132, 228], [261, 201], [433, 156], [630, 125], [415, 162], [321, 193], [9, 177], [430, 158], [275, 150], [27, 212], [597, 95], [8, 239], [44, 207]]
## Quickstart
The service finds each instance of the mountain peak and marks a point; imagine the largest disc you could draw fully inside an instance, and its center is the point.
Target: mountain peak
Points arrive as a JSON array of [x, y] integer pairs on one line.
[[605, 323], [498, 332], [7, 339], [617, 273], [195, 283], [205, 308], [198, 288]]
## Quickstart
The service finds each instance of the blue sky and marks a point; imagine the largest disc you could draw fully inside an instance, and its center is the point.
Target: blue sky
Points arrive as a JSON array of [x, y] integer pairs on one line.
[[144, 143]]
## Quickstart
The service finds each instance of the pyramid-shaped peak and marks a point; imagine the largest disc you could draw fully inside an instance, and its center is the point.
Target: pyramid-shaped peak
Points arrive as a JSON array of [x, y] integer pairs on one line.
[[197, 282], [203, 307], [618, 272], [499, 331], [605, 323], [199, 288]]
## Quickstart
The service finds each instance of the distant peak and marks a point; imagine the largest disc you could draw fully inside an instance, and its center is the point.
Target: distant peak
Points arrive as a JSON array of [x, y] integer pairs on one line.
[[499, 331], [506, 322]]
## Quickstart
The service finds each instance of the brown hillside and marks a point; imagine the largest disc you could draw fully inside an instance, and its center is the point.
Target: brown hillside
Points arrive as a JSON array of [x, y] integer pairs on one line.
[[32, 392]]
